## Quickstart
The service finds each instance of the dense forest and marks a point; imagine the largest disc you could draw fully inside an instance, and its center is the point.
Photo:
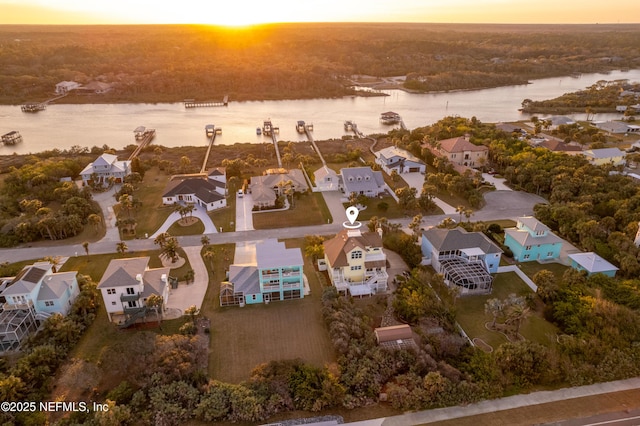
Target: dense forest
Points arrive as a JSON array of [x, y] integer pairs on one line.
[[171, 63]]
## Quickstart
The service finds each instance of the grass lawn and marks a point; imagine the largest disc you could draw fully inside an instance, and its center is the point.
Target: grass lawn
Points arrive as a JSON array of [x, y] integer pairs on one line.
[[196, 228], [472, 318], [393, 212], [531, 268], [151, 213], [242, 338], [309, 209], [225, 217]]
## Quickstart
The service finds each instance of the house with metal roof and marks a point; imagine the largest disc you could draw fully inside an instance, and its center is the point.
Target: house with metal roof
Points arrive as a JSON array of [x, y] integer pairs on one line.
[[400, 160], [592, 264], [105, 167], [362, 181], [276, 274], [127, 284], [465, 259], [356, 262], [602, 156], [32, 296], [532, 240]]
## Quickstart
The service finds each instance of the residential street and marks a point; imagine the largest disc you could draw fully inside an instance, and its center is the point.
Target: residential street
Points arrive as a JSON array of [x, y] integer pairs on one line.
[[499, 205]]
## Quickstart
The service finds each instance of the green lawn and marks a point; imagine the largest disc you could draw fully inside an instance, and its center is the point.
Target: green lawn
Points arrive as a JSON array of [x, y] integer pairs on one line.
[[177, 230], [308, 209], [472, 318], [393, 212], [151, 213], [225, 217], [242, 338], [531, 268]]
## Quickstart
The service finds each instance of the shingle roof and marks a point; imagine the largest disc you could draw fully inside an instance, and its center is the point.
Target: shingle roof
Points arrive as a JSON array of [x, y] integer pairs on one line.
[[27, 279], [55, 285], [524, 238], [604, 153], [458, 238], [336, 249], [123, 272], [460, 144], [204, 189], [558, 146], [394, 151], [533, 223], [356, 179]]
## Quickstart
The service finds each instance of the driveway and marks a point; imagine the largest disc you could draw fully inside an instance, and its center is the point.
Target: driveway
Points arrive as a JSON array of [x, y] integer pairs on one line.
[[333, 199], [416, 180], [244, 213], [396, 267], [498, 182], [106, 201], [187, 295], [497, 203], [198, 211]]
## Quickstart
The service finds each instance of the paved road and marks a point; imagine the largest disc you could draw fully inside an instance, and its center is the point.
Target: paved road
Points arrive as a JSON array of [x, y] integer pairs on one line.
[[500, 404], [500, 205], [244, 213], [198, 211], [625, 418]]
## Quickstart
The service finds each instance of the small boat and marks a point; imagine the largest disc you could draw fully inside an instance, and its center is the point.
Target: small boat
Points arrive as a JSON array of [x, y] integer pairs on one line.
[[209, 129], [258, 131], [300, 127], [12, 138]]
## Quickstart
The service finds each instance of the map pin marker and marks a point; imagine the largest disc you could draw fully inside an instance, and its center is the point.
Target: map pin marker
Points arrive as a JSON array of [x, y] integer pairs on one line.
[[352, 214]]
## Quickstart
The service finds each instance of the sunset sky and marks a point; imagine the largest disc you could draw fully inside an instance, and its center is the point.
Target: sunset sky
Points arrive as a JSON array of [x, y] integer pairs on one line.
[[241, 12]]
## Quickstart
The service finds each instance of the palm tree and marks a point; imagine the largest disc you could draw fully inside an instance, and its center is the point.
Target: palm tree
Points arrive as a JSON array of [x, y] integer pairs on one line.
[[516, 316], [209, 256], [494, 307], [95, 220], [54, 261], [460, 209], [170, 249], [121, 247], [205, 240], [85, 246], [161, 239], [155, 302]]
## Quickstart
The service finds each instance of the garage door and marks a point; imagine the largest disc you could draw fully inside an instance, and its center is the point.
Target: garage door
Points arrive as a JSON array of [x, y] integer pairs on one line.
[[414, 169]]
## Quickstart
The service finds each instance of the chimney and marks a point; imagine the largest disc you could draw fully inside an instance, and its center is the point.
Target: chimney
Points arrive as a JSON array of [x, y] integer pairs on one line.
[[139, 278], [379, 231], [163, 277]]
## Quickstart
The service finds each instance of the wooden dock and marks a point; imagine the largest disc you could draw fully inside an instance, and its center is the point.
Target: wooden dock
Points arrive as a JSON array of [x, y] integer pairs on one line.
[[352, 126], [307, 130], [11, 138], [40, 106], [148, 136], [192, 103], [211, 131]]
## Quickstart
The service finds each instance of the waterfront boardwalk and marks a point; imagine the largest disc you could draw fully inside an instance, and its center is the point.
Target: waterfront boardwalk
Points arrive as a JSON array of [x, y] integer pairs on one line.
[[146, 139], [307, 131], [206, 156]]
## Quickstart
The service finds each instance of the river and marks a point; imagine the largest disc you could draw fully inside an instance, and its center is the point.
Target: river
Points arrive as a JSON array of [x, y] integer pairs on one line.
[[62, 126]]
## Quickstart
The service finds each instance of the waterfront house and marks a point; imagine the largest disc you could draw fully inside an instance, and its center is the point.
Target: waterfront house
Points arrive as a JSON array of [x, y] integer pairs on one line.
[[400, 160], [356, 262], [206, 190], [274, 273], [326, 179], [65, 87], [32, 296], [532, 240], [266, 189], [127, 284], [105, 167], [559, 120], [362, 181], [465, 259], [592, 264]]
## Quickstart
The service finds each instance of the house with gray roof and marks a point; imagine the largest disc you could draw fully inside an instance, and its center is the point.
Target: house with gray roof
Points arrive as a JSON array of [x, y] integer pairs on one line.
[[127, 284], [32, 296], [206, 191], [592, 264], [266, 189], [617, 127], [602, 156], [326, 179], [465, 259], [277, 274], [362, 181], [532, 240], [400, 160], [105, 167]]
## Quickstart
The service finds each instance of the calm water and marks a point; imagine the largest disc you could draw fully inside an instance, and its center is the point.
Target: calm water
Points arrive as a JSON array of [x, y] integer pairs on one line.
[[62, 126]]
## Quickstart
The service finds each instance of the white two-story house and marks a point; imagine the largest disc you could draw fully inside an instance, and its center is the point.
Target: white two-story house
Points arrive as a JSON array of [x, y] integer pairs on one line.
[[104, 167], [127, 284]]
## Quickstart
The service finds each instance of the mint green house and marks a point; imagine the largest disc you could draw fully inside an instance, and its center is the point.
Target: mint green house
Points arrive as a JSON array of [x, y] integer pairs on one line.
[[592, 263], [275, 274], [532, 240]]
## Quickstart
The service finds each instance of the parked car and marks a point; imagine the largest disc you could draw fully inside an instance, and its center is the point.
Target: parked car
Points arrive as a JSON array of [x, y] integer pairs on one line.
[[240, 193]]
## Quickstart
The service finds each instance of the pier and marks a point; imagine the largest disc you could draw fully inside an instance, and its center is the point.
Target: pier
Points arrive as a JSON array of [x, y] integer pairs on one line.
[[268, 129], [307, 130], [192, 103], [211, 131], [39, 106], [144, 136], [352, 126]]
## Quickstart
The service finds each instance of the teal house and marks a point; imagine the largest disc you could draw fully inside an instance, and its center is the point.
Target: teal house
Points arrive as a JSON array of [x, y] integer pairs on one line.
[[532, 240], [592, 263], [274, 273]]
